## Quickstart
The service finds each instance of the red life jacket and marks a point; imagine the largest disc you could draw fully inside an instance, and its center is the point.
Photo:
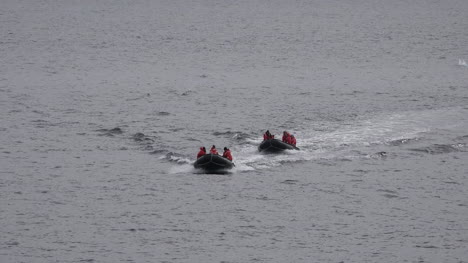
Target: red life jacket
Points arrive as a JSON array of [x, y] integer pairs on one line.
[[227, 154], [201, 153], [285, 137], [214, 151], [293, 141]]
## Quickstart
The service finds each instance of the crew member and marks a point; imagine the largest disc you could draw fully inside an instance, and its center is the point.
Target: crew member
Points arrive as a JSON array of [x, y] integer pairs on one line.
[[293, 140], [201, 152], [227, 154], [286, 137], [267, 136], [213, 150]]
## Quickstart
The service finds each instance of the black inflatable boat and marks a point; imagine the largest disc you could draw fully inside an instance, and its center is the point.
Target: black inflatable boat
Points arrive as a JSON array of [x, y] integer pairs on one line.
[[213, 163], [274, 146]]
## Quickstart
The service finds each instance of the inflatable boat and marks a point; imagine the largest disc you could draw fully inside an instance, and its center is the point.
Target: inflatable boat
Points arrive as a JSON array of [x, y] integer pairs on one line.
[[275, 146], [213, 163]]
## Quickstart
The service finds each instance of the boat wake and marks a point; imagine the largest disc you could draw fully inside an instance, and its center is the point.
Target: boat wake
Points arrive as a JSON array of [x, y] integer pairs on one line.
[[378, 137], [176, 158], [373, 138]]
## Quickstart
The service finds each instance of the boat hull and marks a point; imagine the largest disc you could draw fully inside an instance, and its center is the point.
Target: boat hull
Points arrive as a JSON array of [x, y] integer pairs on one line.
[[212, 163], [275, 146]]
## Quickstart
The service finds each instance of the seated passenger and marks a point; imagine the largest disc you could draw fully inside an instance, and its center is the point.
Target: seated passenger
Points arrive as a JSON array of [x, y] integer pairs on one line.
[[268, 136], [201, 152], [227, 154], [286, 137], [213, 150], [293, 140]]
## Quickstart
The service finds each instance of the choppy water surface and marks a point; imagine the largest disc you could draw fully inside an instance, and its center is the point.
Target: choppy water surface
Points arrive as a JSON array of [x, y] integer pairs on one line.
[[105, 104]]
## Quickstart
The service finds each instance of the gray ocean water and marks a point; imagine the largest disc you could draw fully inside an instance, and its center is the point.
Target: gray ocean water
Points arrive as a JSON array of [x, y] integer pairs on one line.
[[104, 105]]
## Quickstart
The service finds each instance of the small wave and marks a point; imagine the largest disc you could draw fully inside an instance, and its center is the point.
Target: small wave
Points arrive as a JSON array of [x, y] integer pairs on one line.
[[110, 132], [177, 158], [147, 95], [145, 141], [236, 135], [387, 191], [462, 62], [158, 151], [439, 148], [192, 139], [42, 123], [390, 196], [226, 133], [116, 130], [12, 243], [241, 167], [290, 181], [241, 136], [379, 155], [398, 142], [253, 141], [140, 137], [176, 129], [187, 93]]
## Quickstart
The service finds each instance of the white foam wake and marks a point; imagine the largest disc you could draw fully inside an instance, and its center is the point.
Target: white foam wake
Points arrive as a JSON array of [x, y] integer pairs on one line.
[[352, 140]]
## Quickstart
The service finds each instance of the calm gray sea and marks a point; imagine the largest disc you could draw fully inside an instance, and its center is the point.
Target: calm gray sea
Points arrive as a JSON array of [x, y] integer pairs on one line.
[[104, 105]]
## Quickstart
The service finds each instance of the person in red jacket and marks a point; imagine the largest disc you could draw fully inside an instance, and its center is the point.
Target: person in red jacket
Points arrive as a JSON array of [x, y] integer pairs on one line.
[[227, 154], [201, 152], [213, 150], [286, 137], [267, 136], [293, 140]]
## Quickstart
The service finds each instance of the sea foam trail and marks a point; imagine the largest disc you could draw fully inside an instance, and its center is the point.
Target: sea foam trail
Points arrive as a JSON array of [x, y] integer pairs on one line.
[[184, 168], [358, 139], [353, 140]]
